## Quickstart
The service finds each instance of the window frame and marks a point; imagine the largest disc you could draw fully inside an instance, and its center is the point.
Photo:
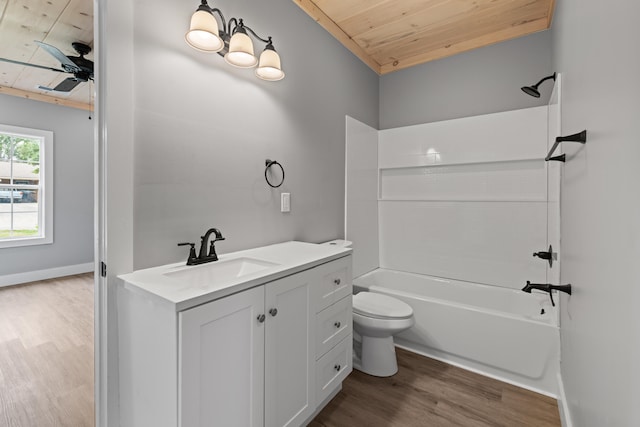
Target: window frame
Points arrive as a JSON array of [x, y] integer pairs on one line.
[[45, 187]]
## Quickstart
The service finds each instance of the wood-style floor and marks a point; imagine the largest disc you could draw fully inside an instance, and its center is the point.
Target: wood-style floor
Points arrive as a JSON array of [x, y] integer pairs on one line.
[[426, 393], [46, 375], [46, 353]]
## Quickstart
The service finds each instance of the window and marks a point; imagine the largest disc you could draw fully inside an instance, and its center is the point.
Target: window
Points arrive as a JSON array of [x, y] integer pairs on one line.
[[26, 186]]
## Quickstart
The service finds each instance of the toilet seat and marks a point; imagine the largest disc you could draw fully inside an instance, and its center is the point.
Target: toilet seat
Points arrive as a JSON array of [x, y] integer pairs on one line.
[[379, 306]]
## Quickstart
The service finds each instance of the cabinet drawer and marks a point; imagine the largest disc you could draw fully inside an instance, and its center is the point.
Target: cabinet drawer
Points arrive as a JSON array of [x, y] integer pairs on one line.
[[333, 368], [333, 324], [334, 282]]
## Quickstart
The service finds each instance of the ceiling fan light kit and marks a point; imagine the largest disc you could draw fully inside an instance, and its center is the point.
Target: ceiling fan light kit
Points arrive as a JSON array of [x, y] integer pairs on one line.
[[231, 40]]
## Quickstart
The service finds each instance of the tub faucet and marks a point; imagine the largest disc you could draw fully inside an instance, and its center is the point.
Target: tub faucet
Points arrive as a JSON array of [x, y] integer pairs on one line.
[[547, 287]]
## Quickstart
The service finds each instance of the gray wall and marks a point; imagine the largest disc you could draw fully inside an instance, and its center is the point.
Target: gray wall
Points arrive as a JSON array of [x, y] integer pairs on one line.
[[203, 130], [596, 50], [482, 81], [73, 185]]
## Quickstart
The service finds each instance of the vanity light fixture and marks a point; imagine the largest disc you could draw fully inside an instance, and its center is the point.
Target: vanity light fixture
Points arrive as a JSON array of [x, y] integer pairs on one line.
[[233, 42]]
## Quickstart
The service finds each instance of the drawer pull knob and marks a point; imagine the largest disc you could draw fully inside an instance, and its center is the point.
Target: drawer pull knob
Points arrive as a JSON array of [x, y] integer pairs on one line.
[[273, 312], [336, 281], [337, 324], [337, 368], [261, 318]]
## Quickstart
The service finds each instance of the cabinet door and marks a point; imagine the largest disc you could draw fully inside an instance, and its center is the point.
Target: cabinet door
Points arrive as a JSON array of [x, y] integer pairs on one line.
[[221, 360], [289, 358]]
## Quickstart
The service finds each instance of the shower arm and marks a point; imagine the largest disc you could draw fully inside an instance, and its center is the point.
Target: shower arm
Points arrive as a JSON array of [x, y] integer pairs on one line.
[[580, 137]]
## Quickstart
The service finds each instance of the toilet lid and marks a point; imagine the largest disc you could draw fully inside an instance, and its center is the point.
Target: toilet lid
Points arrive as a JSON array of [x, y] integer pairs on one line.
[[380, 306]]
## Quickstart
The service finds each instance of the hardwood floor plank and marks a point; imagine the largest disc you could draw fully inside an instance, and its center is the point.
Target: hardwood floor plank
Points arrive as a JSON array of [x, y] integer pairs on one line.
[[46, 353], [426, 392]]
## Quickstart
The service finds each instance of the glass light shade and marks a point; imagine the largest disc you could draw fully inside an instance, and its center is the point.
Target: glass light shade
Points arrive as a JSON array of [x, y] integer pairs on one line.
[[241, 51], [269, 67], [203, 32]]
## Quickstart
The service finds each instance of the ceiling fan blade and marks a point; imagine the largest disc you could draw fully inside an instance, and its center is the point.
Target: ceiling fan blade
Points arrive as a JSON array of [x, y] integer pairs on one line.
[[64, 86], [32, 65], [66, 63]]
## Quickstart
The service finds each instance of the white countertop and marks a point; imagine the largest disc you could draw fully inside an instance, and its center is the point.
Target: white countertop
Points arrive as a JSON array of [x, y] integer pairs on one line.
[[289, 257]]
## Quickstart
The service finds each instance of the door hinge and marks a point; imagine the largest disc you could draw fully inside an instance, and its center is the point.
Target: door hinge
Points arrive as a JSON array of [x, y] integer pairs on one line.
[[103, 269]]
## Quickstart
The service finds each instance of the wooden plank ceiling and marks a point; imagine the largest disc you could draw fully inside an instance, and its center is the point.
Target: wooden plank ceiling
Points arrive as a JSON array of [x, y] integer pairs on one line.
[[55, 22], [389, 35]]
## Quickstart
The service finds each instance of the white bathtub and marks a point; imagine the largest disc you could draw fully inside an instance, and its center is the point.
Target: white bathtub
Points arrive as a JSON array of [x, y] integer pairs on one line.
[[502, 333]]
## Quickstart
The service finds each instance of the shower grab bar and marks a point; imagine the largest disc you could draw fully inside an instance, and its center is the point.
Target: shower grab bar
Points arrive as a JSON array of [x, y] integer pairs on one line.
[[580, 137]]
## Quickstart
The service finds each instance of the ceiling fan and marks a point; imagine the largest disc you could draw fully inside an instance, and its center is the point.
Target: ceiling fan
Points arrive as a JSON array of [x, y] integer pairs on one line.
[[79, 66]]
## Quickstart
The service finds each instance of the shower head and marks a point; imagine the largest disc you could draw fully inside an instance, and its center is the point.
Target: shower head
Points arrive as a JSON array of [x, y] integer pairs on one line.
[[533, 90]]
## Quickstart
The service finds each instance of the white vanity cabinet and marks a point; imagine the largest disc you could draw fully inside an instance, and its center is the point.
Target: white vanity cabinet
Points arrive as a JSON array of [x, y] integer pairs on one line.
[[268, 356], [252, 347]]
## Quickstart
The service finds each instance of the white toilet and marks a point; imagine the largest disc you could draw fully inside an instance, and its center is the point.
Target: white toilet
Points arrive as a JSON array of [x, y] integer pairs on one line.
[[376, 318]]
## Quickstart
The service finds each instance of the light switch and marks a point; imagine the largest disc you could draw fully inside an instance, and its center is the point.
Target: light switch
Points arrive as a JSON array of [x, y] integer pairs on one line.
[[285, 202]]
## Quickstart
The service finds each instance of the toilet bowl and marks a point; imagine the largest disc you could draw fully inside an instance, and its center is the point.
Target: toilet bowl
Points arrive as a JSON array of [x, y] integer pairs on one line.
[[376, 319]]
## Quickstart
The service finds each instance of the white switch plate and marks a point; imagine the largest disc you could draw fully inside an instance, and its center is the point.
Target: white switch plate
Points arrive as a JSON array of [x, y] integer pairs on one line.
[[285, 202]]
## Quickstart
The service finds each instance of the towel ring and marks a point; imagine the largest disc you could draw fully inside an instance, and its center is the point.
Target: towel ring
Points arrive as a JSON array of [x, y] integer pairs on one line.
[[268, 163]]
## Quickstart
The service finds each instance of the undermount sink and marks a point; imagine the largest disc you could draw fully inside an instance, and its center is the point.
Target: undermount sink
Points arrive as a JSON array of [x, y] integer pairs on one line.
[[219, 272]]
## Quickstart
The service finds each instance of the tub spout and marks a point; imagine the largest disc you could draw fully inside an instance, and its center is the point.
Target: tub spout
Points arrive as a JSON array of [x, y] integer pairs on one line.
[[547, 287]]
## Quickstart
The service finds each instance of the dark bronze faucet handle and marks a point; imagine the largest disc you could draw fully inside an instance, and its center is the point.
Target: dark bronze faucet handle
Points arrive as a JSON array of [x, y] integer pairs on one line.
[[212, 251], [192, 252]]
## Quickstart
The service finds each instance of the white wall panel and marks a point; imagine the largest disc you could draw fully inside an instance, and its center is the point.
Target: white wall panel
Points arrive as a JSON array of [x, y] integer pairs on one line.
[[512, 135], [362, 195], [481, 242], [466, 198], [503, 181]]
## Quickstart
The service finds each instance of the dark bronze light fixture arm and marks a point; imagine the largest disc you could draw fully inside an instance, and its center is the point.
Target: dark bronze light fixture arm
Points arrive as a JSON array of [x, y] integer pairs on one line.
[[268, 40]]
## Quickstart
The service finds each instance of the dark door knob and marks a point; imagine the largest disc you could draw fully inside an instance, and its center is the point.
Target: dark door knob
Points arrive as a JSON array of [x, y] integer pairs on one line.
[[273, 312], [261, 318]]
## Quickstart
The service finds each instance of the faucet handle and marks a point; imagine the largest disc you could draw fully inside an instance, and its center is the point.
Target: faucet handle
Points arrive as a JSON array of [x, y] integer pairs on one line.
[[192, 251]]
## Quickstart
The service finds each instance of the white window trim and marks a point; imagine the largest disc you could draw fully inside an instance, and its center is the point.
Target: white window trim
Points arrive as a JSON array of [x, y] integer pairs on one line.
[[45, 214]]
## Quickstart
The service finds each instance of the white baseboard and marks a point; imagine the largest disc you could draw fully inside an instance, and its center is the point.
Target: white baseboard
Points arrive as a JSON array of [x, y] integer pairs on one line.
[[50, 273], [563, 406]]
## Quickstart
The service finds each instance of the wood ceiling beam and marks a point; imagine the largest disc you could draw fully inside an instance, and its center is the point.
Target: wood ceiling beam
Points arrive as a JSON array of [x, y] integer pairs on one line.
[[45, 98]]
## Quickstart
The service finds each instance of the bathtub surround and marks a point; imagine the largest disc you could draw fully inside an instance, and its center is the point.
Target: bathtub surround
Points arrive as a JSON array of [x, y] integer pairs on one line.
[[361, 194], [462, 204], [466, 198]]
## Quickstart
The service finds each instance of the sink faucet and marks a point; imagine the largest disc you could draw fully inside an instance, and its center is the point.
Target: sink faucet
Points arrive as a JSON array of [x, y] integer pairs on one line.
[[212, 256], [547, 287], [203, 257]]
